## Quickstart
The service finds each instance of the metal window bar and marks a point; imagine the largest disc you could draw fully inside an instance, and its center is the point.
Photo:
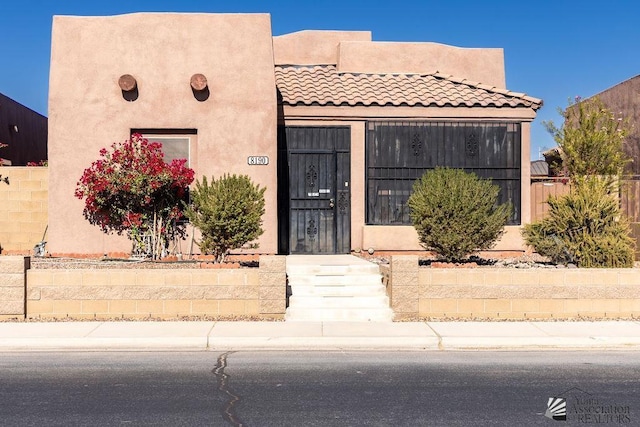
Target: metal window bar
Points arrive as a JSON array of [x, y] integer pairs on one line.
[[400, 152]]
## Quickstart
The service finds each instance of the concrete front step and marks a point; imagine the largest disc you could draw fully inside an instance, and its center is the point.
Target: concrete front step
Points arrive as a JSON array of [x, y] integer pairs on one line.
[[332, 270], [352, 279], [336, 288], [339, 290], [344, 301], [338, 315]]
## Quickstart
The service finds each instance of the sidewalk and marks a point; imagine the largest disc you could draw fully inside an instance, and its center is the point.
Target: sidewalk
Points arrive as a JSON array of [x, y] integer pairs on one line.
[[226, 336]]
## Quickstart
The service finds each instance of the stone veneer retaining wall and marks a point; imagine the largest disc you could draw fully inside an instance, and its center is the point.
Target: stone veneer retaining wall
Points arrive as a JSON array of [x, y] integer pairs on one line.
[[12, 279], [23, 208], [158, 293], [509, 293]]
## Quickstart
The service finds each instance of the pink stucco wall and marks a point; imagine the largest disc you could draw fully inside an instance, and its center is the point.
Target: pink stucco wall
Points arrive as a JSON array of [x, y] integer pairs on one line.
[[313, 47], [355, 52], [237, 54], [477, 65], [162, 51]]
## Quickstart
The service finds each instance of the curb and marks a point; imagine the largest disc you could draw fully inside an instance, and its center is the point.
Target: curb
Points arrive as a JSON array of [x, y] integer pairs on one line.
[[539, 343], [103, 344], [319, 344], [325, 343]]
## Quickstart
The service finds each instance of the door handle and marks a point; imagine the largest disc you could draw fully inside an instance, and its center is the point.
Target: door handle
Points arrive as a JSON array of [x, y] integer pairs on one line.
[[332, 203]]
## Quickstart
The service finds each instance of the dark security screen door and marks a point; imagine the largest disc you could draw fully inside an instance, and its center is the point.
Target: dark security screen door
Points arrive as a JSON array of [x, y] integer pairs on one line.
[[312, 202], [319, 202]]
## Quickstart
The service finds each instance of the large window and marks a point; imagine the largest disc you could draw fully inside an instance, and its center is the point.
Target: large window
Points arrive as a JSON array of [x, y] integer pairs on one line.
[[398, 153], [176, 143]]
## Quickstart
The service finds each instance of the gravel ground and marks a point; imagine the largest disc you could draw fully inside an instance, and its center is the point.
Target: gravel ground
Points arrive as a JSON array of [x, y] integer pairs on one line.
[[522, 261], [260, 319], [147, 319], [482, 319], [80, 263]]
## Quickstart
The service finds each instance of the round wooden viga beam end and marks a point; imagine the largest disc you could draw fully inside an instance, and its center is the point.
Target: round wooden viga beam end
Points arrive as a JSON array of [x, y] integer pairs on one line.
[[127, 82], [198, 82]]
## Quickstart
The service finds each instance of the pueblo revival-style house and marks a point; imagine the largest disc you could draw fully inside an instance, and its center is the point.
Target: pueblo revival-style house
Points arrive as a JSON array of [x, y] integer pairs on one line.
[[336, 126]]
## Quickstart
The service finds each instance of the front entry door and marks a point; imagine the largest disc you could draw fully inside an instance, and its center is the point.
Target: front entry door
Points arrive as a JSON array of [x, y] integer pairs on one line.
[[319, 196]]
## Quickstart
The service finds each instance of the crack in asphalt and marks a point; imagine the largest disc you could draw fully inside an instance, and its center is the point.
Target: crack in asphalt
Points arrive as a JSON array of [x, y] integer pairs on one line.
[[228, 412]]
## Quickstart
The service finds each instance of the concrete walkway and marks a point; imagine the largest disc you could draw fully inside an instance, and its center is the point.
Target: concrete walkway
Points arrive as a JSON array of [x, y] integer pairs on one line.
[[225, 336]]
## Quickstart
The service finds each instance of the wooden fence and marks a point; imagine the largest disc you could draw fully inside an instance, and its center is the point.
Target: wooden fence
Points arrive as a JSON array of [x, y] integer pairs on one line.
[[541, 190], [630, 200]]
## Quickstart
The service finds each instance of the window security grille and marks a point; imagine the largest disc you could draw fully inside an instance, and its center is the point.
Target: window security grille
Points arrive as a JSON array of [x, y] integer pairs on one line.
[[400, 152]]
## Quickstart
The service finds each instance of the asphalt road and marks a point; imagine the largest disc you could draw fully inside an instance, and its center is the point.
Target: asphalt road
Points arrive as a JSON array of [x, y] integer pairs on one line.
[[317, 389]]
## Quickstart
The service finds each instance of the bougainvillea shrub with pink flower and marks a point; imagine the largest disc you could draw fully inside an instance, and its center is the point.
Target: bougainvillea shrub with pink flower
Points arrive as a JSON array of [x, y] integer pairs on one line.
[[130, 189]]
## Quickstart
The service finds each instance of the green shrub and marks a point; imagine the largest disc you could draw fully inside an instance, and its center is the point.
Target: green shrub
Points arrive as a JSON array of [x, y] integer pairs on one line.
[[591, 139], [455, 213], [228, 213], [584, 227]]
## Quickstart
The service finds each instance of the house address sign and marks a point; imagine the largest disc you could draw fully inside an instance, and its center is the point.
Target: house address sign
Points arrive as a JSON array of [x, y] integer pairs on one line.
[[258, 160]]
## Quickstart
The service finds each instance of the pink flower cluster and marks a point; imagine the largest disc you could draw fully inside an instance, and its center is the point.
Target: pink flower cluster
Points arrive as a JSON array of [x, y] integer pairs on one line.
[[130, 185]]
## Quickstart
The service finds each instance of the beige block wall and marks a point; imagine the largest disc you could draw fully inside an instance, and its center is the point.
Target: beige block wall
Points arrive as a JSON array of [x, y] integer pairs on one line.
[[272, 279], [12, 286], [504, 293], [23, 208], [403, 279], [158, 293]]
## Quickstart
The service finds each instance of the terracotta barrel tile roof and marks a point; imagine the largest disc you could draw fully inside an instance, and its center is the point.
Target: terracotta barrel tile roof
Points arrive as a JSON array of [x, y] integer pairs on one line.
[[324, 85]]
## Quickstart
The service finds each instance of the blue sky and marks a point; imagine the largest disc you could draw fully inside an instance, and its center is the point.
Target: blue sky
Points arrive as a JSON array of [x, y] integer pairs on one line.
[[554, 49]]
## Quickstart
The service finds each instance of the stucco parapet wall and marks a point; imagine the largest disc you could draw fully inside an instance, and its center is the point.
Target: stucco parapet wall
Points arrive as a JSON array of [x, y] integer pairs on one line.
[[313, 47], [484, 65]]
